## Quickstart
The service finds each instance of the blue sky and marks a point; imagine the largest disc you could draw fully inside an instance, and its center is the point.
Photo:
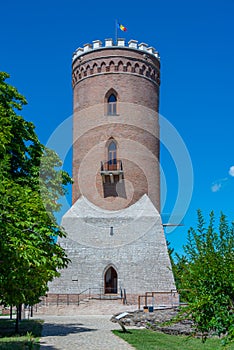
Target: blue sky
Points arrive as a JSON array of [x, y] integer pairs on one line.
[[195, 40]]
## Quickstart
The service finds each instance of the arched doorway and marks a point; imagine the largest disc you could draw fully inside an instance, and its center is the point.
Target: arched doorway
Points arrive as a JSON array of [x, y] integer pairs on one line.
[[111, 281]]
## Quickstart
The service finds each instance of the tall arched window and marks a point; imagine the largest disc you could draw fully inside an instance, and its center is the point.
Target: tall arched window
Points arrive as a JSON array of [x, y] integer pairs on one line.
[[111, 105], [112, 155]]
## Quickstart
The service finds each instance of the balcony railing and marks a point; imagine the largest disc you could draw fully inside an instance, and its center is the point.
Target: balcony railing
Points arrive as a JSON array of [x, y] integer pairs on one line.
[[114, 165], [111, 169]]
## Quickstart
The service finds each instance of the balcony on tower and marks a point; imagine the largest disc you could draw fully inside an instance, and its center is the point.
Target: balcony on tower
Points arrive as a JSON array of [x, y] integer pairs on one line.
[[112, 171]]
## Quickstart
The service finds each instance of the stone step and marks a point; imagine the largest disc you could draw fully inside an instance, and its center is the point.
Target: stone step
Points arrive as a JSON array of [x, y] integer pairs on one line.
[[107, 297], [91, 307]]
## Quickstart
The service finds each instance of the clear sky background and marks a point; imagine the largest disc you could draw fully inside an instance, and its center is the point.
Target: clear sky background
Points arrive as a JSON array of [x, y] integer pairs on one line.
[[195, 40]]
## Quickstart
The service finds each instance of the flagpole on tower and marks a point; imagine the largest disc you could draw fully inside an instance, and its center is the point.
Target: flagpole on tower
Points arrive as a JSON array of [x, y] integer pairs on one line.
[[116, 31], [118, 26]]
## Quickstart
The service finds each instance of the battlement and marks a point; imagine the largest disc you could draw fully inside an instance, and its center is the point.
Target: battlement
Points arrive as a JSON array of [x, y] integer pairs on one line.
[[109, 43]]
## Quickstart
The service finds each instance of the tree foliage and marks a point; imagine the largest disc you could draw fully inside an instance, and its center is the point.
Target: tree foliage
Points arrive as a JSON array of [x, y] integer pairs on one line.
[[206, 273], [30, 186]]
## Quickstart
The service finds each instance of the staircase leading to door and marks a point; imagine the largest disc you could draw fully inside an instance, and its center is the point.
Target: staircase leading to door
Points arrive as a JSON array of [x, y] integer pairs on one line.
[[86, 307]]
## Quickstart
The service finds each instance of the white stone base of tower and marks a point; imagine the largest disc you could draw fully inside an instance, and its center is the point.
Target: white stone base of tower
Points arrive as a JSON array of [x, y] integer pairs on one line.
[[130, 243]]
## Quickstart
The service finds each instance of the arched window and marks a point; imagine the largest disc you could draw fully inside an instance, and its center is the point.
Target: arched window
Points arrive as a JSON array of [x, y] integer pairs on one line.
[[112, 98], [111, 105], [112, 155]]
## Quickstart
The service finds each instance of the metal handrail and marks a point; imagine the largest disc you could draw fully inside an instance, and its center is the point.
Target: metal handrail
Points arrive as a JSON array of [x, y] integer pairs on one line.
[[78, 301], [71, 298], [152, 294]]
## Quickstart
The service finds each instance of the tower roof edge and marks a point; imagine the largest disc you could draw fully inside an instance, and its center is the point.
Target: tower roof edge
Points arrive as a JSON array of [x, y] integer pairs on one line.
[[110, 44]]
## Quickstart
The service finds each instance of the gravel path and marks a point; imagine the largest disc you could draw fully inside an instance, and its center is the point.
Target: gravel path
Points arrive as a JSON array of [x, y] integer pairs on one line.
[[87, 332]]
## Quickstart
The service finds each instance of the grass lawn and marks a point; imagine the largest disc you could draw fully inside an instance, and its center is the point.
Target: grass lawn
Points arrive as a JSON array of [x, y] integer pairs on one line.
[[144, 339], [30, 333]]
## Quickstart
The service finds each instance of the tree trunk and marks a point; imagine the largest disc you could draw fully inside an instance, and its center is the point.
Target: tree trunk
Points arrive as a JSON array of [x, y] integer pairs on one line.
[[18, 317], [17, 320], [20, 312]]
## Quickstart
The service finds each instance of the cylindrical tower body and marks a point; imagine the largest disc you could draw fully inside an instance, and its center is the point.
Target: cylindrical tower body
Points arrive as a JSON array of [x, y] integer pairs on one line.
[[115, 237], [115, 124]]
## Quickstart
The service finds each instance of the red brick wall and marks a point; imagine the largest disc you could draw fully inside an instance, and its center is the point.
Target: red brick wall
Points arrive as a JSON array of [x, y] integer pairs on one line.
[[135, 78]]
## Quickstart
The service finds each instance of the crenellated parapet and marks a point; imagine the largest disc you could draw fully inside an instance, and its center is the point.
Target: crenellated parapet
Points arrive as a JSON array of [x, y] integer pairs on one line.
[[134, 58], [132, 44]]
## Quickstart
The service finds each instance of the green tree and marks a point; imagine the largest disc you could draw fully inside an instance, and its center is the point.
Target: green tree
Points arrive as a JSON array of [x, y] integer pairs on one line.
[[30, 186], [208, 276]]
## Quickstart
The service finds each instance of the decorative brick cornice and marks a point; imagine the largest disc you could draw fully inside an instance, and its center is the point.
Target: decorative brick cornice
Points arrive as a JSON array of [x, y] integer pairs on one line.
[[115, 64]]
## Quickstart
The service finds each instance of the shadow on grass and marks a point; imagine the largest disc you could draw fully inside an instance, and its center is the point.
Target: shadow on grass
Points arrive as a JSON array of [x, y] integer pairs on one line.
[[19, 345], [7, 327], [28, 331], [118, 331]]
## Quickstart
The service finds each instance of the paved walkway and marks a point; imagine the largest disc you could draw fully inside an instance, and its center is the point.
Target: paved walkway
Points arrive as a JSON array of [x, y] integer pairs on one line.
[[81, 332]]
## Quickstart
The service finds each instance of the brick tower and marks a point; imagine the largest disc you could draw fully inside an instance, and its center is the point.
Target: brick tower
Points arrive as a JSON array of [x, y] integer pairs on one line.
[[115, 237]]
